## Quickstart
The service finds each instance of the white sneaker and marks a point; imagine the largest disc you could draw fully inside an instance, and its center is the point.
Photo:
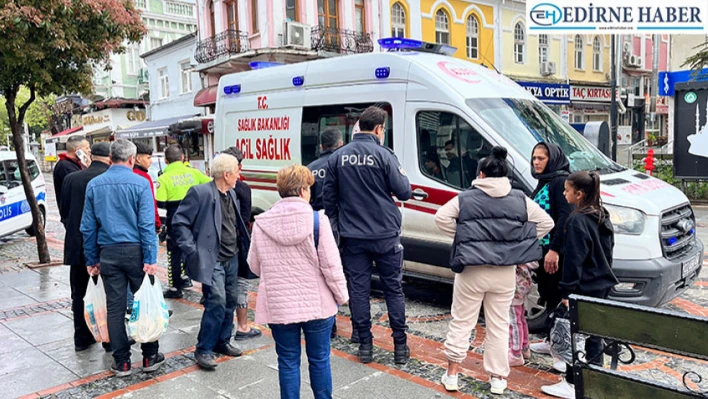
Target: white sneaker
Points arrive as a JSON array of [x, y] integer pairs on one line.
[[560, 390], [559, 365], [543, 348], [450, 382], [498, 385]]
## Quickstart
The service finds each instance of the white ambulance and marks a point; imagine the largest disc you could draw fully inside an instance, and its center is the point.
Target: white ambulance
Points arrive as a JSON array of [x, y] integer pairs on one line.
[[445, 114], [15, 212]]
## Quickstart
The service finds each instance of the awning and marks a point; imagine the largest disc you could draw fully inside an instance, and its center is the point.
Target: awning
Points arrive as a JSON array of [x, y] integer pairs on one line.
[[149, 128], [65, 134], [205, 97], [100, 132], [199, 124]]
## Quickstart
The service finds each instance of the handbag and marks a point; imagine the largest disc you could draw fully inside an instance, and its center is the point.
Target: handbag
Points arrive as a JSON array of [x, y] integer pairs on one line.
[[560, 338]]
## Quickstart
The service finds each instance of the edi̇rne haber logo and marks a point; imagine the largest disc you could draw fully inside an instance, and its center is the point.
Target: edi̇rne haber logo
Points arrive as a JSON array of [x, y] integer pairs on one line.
[[699, 141], [609, 17]]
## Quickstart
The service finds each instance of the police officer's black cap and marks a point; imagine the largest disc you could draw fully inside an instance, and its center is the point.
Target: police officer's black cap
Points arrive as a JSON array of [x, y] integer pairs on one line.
[[102, 149]]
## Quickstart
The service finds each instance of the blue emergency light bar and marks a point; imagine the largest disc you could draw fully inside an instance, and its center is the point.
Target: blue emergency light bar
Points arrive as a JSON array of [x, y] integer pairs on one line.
[[263, 64], [404, 44], [235, 89]]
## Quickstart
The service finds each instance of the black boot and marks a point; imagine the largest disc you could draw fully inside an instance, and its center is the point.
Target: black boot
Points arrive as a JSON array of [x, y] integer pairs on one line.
[[333, 334], [401, 353], [355, 336], [366, 353]]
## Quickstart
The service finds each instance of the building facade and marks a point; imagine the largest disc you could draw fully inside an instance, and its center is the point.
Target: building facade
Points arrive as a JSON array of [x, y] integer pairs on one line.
[[127, 77]]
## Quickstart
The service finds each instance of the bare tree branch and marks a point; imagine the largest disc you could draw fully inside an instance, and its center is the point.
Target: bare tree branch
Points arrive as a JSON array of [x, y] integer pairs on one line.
[[25, 106]]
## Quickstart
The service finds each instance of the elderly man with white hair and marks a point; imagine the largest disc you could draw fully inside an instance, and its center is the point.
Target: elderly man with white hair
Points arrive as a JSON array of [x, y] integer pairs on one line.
[[210, 233]]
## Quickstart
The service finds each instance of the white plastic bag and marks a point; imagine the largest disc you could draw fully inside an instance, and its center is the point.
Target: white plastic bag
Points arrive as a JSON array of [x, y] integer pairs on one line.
[[95, 310], [150, 317]]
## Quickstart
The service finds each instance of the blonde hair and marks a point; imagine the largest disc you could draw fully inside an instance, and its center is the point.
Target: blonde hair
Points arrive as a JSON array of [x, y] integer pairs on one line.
[[223, 163], [291, 180]]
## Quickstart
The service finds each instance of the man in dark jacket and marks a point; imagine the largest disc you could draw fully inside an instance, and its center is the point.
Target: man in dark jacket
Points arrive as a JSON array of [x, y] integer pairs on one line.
[[209, 230], [330, 141], [70, 162], [362, 178], [71, 208], [243, 194], [143, 160]]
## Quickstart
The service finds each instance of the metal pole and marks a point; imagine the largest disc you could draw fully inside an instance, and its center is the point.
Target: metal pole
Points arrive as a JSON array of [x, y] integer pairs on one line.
[[656, 41], [613, 104]]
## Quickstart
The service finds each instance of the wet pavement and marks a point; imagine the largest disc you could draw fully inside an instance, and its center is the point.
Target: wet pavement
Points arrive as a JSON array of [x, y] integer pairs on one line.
[[37, 357]]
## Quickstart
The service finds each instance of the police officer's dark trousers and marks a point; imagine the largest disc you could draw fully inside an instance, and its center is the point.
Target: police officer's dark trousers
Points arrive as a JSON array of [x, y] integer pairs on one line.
[[174, 257], [357, 257]]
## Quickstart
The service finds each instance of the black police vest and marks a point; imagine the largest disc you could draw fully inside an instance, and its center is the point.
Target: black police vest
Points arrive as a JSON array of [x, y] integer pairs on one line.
[[493, 231]]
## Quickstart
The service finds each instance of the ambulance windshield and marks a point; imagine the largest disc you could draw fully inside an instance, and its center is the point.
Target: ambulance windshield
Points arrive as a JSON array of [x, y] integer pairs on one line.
[[527, 122]]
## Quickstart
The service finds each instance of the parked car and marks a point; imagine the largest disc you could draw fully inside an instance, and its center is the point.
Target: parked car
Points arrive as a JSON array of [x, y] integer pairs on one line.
[[15, 212]]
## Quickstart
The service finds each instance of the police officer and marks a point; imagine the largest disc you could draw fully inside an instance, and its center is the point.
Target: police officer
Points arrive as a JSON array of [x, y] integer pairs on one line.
[[172, 187], [361, 179], [330, 140]]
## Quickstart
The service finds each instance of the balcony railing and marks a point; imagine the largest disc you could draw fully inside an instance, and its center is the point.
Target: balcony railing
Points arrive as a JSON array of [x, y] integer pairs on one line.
[[226, 43], [341, 41]]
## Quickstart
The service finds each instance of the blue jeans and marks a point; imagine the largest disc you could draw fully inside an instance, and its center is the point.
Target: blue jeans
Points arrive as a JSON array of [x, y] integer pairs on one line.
[[288, 348], [220, 300]]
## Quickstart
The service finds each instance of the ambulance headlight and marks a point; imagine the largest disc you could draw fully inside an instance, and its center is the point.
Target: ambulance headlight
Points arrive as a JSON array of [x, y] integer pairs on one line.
[[626, 220]]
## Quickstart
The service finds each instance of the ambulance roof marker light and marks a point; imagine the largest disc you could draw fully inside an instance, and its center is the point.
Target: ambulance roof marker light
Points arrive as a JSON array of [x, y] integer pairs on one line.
[[263, 64], [383, 72], [234, 89], [392, 44]]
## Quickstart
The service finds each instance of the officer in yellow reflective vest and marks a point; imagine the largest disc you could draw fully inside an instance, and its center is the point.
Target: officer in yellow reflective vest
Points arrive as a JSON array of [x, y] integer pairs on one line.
[[172, 187]]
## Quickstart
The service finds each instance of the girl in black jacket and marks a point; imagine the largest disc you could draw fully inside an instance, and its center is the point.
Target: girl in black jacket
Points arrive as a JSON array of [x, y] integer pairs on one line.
[[587, 266]]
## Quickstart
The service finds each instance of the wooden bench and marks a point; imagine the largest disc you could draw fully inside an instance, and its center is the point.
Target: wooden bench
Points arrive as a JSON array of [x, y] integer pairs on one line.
[[622, 325]]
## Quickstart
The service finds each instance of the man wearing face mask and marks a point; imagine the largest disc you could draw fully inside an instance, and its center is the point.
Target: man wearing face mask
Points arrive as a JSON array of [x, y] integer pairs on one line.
[[360, 181]]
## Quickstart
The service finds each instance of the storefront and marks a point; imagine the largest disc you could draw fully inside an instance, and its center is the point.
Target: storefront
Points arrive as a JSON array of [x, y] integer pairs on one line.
[[99, 126], [555, 95], [589, 104], [155, 134]]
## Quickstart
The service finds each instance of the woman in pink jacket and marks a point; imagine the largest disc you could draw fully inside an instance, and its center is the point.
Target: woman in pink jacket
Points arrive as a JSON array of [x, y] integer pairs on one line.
[[302, 282]]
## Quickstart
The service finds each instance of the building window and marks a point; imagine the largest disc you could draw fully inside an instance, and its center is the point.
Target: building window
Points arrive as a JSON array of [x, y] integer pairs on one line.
[[133, 63], [442, 27], [232, 15], [292, 12], [596, 54], [398, 21], [472, 37], [542, 49], [254, 16], [327, 13], [212, 19], [359, 16], [186, 69], [579, 53], [141, 4], [155, 42], [519, 43], [164, 83]]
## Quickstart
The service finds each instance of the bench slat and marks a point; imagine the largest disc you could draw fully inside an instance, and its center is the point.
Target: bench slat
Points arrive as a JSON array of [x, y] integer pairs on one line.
[[663, 330], [601, 383]]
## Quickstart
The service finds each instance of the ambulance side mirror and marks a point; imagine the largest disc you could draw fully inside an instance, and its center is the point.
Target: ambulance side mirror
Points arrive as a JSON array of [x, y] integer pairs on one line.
[[3, 190]]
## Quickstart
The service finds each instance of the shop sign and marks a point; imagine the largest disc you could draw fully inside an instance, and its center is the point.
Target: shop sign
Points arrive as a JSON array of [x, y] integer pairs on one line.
[[548, 92], [590, 93]]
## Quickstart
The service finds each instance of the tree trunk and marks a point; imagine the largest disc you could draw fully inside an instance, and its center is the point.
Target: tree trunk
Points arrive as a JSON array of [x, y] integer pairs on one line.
[[16, 121]]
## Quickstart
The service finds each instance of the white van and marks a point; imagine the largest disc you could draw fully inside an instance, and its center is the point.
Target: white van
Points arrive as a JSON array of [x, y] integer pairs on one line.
[[15, 212], [445, 115]]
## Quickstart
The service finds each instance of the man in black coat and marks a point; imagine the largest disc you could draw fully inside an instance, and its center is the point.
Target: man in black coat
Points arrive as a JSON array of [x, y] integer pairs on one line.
[[70, 162], [71, 208], [243, 194]]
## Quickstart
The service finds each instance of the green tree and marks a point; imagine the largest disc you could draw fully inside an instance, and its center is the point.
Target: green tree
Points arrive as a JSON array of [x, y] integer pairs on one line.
[[51, 47], [698, 61], [37, 117]]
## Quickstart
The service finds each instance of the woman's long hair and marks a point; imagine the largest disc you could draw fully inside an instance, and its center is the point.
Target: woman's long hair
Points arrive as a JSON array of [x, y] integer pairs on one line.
[[589, 184]]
